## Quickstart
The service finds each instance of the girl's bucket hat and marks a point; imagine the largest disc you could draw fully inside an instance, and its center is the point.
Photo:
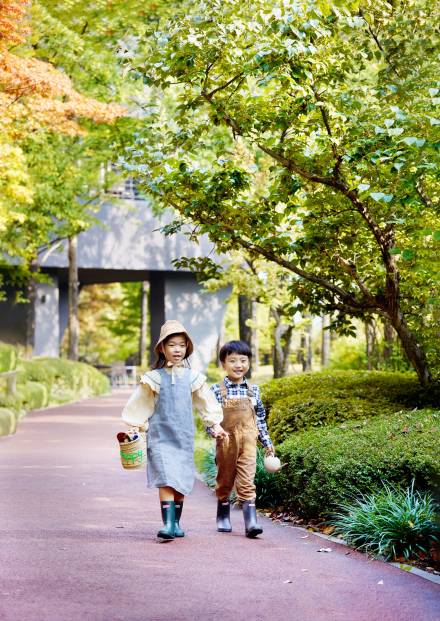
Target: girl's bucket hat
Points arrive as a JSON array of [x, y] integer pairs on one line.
[[174, 327]]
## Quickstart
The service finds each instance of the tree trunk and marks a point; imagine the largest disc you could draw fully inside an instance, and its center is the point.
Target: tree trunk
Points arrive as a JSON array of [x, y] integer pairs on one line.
[[73, 324], [246, 313], [309, 352], [282, 345], [142, 356], [388, 335], [412, 349], [370, 341], [31, 295], [326, 341]]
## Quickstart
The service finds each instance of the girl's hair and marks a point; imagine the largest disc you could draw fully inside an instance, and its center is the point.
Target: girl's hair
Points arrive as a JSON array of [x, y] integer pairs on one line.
[[161, 360], [235, 347]]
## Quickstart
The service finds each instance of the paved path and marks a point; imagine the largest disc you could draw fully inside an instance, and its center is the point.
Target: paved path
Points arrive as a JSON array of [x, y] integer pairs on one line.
[[77, 542]]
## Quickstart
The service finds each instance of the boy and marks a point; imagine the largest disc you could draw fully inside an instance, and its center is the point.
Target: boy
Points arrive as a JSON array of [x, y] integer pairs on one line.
[[244, 419]]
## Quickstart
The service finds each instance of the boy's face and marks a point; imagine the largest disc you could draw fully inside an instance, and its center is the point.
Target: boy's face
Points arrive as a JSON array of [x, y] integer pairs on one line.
[[236, 366]]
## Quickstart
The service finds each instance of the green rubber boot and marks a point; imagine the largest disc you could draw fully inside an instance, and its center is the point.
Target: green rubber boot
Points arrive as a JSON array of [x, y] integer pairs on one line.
[[168, 508], [178, 532]]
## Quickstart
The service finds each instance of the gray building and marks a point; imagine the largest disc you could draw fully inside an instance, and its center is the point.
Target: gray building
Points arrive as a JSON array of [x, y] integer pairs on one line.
[[127, 245]]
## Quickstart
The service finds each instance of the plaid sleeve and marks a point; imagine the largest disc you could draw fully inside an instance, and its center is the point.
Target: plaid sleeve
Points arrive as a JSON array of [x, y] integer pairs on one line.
[[260, 413], [216, 390]]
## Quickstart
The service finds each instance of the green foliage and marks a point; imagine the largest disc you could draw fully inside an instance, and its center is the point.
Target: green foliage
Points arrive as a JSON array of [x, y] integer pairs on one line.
[[327, 466], [390, 523], [74, 380], [8, 421], [265, 482], [49, 381], [328, 398], [347, 354], [338, 106], [35, 371], [33, 395], [8, 357]]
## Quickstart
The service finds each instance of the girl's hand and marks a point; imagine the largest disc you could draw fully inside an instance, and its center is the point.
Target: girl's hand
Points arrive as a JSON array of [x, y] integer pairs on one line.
[[270, 451], [219, 432]]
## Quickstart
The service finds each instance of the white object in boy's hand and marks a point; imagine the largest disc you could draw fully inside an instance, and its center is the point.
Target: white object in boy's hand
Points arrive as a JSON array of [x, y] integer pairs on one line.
[[272, 463], [219, 432]]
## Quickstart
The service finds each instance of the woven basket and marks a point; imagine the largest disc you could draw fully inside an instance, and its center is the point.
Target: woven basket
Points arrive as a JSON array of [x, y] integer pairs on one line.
[[133, 450]]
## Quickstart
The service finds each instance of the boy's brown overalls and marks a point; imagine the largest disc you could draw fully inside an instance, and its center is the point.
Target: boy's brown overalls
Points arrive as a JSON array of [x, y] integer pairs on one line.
[[236, 456]]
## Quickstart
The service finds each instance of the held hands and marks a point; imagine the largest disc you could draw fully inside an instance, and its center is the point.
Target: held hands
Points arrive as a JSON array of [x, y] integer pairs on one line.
[[269, 451], [219, 432]]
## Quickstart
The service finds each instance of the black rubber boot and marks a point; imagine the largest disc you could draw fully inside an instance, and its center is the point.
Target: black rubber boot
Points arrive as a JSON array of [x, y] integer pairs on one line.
[[178, 532], [250, 519], [168, 509], [223, 516]]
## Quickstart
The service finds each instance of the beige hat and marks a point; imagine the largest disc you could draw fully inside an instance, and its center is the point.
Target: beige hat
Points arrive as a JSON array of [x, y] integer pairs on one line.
[[174, 327]]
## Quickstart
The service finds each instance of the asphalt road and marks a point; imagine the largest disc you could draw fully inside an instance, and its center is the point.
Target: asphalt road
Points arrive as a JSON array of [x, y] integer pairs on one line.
[[77, 542]]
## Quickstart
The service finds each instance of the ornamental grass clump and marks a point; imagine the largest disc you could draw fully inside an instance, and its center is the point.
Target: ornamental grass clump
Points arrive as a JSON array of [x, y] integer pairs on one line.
[[391, 523]]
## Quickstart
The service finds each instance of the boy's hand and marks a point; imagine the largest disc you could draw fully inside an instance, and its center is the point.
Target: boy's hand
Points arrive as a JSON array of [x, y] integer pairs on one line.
[[219, 432]]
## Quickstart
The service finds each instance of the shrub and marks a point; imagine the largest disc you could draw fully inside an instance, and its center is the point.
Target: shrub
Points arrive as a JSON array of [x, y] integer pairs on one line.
[[73, 380], [391, 523], [35, 371], [319, 399], [8, 421], [326, 466], [34, 395], [8, 357], [265, 482]]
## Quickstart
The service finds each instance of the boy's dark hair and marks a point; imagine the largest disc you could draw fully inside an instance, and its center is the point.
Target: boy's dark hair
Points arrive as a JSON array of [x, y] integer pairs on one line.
[[235, 347]]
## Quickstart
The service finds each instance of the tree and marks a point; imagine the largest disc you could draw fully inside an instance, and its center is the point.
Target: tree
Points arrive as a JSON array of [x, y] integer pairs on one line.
[[340, 98]]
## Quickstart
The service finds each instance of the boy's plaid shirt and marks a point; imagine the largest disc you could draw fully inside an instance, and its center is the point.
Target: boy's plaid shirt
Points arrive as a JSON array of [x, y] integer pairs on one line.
[[241, 390]]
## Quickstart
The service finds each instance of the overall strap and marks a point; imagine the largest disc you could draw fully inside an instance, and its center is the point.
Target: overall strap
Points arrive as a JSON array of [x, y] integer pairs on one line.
[[223, 390]]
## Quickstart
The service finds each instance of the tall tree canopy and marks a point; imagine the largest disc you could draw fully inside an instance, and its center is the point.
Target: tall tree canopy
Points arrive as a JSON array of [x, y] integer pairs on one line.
[[64, 113], [338, 98]]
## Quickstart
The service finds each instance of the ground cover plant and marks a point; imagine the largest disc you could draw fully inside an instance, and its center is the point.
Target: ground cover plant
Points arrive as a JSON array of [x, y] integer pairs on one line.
[[391, 523]]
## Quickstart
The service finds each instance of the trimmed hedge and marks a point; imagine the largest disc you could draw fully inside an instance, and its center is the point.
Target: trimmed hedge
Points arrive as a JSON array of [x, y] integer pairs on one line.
[[8, 421], [326, 466], [319, 399], [8, 357], [49, 381]]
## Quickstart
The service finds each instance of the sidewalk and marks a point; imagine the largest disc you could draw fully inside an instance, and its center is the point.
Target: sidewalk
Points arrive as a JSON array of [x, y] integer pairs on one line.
[[77, 542]]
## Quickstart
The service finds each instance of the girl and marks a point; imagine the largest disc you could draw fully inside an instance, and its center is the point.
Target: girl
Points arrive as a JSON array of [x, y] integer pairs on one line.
[[167, 395]]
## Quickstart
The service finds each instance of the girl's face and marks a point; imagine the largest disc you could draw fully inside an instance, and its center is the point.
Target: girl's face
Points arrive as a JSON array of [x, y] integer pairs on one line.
[[174, 348], [236, 366]]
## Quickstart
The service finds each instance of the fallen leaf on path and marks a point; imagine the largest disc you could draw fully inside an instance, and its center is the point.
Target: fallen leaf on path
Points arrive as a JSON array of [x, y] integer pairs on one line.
[[287, 581], [304, 536], [304, 570], [380, 582], [324, 550], [328, 530]]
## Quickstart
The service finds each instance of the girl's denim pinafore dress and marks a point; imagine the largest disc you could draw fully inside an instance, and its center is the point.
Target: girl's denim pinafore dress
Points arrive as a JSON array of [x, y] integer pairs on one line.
[[170, 452]]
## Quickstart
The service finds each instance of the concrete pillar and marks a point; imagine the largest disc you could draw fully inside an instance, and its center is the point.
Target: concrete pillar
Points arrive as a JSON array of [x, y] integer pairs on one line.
[[201, 313], [47, 337]]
